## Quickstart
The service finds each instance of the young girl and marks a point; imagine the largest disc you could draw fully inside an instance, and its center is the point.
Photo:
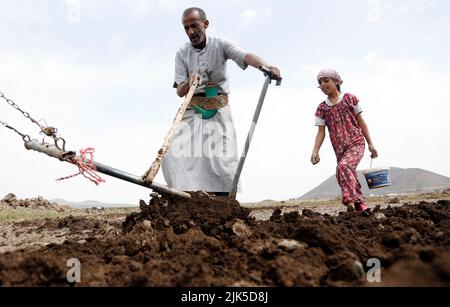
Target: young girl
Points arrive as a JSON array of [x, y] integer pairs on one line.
[[341, 113]]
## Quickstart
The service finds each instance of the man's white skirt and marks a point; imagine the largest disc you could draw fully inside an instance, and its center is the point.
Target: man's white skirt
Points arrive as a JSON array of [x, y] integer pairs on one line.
[[203, 154]]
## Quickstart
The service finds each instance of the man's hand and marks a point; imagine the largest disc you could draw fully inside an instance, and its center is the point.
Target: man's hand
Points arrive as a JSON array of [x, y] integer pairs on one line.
[[193, 77], [373, 151], [276, 74], [315, 158], [183, 88], [255, 61]]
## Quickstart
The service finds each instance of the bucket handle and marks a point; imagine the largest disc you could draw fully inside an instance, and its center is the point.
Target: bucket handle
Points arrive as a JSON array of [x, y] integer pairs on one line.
[[371, 162]]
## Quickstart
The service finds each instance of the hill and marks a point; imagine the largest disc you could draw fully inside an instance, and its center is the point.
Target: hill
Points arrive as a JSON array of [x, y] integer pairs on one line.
[[404, 181]]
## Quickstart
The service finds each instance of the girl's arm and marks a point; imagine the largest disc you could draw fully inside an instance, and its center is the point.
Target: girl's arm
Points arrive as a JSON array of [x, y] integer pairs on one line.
[[365, 131], [319, 140]]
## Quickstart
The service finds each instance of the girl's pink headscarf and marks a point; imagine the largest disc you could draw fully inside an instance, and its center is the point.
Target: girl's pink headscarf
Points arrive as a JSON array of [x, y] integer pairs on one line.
[[329, 73]]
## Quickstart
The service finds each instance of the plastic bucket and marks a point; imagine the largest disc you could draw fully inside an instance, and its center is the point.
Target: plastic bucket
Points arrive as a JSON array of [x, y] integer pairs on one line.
[[378, 177]]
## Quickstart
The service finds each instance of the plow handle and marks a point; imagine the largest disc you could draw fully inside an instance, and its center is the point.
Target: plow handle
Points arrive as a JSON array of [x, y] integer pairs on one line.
[[267, 72]]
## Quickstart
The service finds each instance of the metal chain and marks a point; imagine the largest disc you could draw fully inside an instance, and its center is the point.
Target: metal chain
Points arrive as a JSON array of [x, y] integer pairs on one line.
[[48, 131], [25, 137]]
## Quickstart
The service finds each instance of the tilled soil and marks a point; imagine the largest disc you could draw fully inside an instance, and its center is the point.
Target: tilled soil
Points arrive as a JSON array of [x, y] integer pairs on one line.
[[215, 242]]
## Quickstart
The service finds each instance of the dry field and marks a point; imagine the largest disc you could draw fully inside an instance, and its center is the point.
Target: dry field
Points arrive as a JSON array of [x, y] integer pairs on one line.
[[216, 242]]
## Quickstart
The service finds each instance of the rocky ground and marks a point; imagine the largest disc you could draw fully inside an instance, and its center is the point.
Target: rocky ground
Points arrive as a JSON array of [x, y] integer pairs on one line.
[[216, 242]]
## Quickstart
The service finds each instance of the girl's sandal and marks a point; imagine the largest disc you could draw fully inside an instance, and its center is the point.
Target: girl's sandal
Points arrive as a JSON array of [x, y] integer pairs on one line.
[[350, 208]]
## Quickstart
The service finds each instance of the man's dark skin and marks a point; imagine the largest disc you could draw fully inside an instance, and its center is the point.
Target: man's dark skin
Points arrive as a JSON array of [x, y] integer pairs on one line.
[[195, 28]]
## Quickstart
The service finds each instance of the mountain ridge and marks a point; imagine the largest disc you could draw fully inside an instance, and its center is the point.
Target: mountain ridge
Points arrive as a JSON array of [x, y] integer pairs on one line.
[[89, 204]]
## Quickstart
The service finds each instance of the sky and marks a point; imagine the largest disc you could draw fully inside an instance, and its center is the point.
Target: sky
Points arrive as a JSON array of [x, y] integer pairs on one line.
[[101, 71]]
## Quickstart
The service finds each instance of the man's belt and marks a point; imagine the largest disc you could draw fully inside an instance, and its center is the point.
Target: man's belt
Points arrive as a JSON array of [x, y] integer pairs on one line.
[[209, 103]]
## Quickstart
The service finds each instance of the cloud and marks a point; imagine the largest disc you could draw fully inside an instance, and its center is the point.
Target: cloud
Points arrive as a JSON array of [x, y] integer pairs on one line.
[[252, 16], [444, 24], [422, 5], [374, 12], [73, 14], [141, 9], [410, 6], [173, 5], [7, 37]]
